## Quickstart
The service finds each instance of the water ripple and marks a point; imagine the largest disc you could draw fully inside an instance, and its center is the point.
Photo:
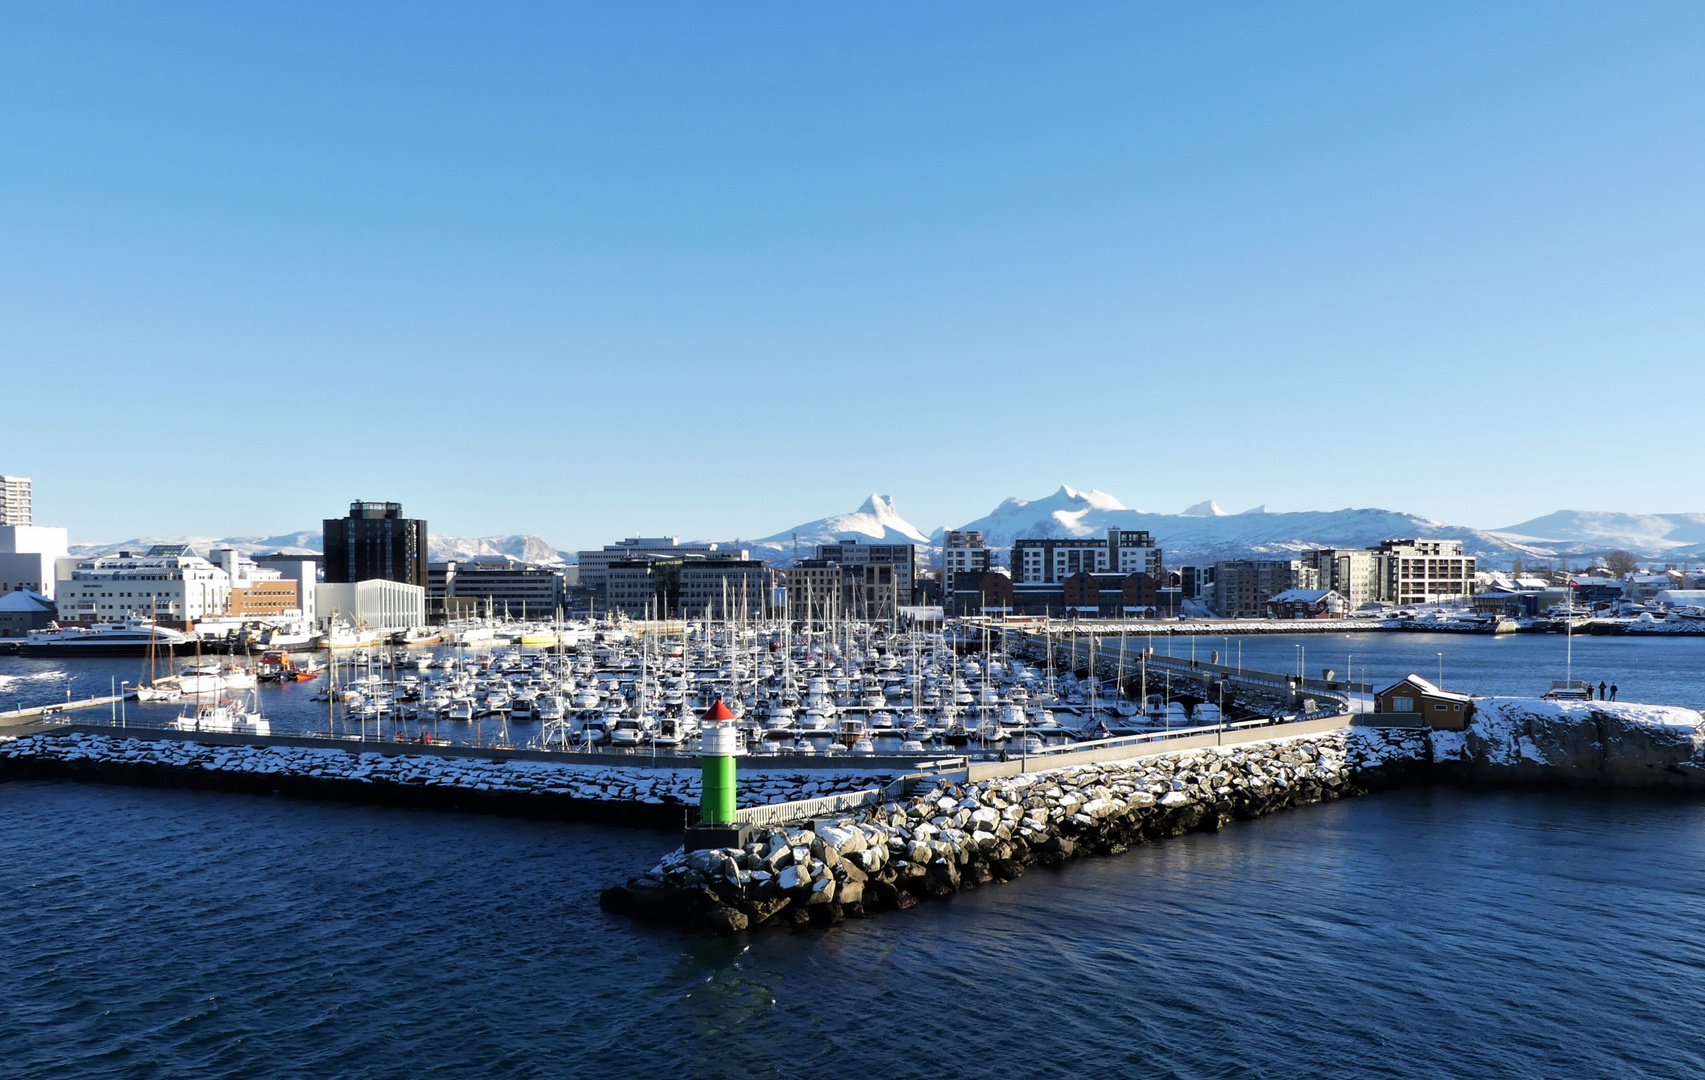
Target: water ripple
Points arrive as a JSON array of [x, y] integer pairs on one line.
[[1419, 934]]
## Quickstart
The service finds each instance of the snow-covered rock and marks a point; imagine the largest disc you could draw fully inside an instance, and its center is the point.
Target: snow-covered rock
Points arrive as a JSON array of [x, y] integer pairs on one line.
[[1600, 743]]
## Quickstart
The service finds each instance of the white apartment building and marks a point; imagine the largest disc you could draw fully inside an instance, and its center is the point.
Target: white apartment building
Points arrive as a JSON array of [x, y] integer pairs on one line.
[[1424, 571], [1050, 561], [1353, 573], [15, 501], [183, 588], [963, 552]]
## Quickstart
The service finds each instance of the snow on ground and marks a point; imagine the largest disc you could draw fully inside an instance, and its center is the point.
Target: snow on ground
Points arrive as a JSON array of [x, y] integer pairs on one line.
[[602, 783]]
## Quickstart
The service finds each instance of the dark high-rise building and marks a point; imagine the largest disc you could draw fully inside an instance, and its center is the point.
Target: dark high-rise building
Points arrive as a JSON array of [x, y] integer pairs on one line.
[[375, 541]]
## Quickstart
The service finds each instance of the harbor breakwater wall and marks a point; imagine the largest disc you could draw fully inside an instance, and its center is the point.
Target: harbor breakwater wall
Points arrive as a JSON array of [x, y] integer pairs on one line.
[[954, 836], [614, 794], [958, 835]]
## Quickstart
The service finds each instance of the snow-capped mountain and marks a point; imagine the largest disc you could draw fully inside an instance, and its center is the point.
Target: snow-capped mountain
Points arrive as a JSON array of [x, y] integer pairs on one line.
[[297, 543], [1588, 532], [1204, 533], [522, 547], [1210, 508], [874, 522]]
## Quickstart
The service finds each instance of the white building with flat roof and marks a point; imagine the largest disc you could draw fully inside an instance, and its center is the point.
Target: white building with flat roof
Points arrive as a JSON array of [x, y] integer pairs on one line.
[[375, 604], [29, 555], [183, 588]]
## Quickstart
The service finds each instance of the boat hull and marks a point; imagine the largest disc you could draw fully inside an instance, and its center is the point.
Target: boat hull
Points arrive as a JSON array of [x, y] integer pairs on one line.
[[96, 649]]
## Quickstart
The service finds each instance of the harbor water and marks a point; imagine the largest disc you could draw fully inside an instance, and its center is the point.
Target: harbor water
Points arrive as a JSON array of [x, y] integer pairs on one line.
[[1667, 670], [1418, 934], [1412, 934]]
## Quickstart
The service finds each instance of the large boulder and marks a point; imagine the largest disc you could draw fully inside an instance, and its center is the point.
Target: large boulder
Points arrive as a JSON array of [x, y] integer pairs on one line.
[[822, 892], [941, 877]]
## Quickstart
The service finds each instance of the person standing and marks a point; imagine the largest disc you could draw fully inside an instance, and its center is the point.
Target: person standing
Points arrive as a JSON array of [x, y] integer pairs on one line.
[[1601, 689], [1613, 691]]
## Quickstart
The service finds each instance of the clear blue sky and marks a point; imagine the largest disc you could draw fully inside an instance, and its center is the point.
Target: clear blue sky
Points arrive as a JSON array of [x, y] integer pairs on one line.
[[716, 269]]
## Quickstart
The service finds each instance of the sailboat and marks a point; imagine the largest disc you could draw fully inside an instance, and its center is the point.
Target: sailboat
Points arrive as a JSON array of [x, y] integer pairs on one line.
[[156, 688]]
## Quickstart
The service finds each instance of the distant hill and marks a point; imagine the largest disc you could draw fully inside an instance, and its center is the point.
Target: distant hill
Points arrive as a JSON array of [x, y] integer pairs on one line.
[[1591, 532], [522, 547], [299, 543]]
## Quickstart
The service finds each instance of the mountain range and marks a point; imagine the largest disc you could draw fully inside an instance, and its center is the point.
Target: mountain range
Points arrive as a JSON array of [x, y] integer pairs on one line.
[[1205, 533], [519, 546], [1198, 534]]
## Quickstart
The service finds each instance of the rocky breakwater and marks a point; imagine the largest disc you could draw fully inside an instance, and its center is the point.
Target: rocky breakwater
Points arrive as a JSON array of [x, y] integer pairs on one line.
[[1527, 742], [616, 794], [959, 836]]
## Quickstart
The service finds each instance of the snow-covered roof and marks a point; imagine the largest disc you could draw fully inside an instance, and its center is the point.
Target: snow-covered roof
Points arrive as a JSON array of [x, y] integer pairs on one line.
[[25, 600], [1301, 596], [1681, 597], [1417, 683]]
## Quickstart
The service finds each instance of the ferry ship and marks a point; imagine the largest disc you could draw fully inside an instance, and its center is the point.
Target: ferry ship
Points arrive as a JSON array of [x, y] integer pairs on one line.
[[132, 637]]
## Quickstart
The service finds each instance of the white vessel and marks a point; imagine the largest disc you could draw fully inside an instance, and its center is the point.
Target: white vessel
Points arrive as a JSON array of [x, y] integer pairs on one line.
[[132, 637], [201, 679], [228, 717], [343, 636]]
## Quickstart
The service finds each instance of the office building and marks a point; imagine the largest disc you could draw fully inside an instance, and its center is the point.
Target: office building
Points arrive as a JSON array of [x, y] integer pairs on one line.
[[375, 542], [724, 587], [725, 584], [168, 582], [820, 590], [495, 586], [902, 558], [595, 565]]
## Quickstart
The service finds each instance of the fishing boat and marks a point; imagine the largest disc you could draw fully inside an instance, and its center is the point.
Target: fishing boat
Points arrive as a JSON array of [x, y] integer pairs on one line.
[[228, 716]]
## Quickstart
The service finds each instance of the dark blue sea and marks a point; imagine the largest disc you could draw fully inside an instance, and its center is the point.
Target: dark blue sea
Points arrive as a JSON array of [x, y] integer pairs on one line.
[[1416, 934]]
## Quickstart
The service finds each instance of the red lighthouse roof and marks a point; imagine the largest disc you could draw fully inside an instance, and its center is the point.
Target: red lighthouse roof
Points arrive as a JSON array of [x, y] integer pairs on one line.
[[719, 711]]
